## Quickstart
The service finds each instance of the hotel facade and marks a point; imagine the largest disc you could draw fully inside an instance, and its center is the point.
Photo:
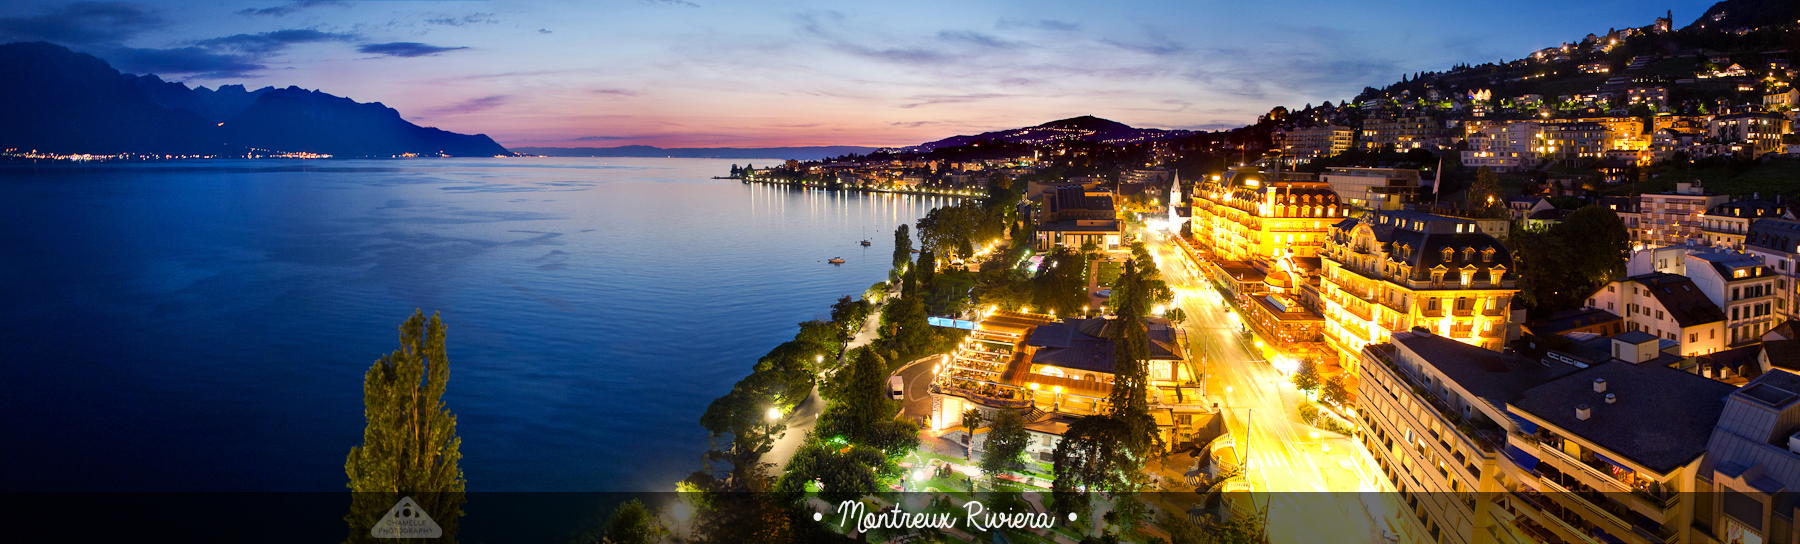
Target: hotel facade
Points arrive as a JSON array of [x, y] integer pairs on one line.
[[1386, 272]]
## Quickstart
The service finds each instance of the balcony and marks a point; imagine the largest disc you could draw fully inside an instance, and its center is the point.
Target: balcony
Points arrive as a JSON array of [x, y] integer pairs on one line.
[[1479, 434], [1604, 506], [1598, 470]]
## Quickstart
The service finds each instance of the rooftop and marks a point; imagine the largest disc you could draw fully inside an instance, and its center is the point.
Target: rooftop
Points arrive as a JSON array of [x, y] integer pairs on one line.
[[1678, 294], [1660, 418], [1087, 344], [1493, 376]]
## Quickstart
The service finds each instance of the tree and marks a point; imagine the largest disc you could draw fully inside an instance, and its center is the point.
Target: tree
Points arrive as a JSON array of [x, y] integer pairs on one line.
[[902, 248], [1061, 284], [1306, 378], [906, 332], [742, 415], [1088, 460], [863, 403], [1334, 392], [1484, 193], [1559, 267], [633, 523], [1006, 442], [972, 419], [409, 447], [844, 476], [848, 313]]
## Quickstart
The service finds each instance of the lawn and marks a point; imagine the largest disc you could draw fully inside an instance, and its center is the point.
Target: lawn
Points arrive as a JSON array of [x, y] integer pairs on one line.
[[1110, 272]]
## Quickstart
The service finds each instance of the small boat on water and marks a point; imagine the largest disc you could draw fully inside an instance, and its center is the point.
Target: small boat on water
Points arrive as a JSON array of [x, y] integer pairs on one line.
[[835, 260], [866, 243]]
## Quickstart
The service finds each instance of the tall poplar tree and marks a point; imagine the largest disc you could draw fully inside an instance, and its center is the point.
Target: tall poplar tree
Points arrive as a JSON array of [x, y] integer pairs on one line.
[[902, 247], [410, 447]]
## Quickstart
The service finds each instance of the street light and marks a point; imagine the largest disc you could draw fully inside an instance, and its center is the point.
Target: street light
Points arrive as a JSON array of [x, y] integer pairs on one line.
[[774, 414]]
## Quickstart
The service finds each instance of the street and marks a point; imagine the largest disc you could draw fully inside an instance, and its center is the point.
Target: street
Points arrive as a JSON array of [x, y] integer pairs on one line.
[[801, 421], [1285, 462]]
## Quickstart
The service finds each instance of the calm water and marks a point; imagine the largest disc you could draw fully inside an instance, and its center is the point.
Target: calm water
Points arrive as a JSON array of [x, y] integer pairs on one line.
[[206, 326]]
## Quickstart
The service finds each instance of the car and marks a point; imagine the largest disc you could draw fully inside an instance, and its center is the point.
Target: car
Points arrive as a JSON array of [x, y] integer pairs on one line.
[[896, 387]]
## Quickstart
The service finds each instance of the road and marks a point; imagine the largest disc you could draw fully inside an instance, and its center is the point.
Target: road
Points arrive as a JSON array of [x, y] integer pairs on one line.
[[1261, 412], [805, 416]]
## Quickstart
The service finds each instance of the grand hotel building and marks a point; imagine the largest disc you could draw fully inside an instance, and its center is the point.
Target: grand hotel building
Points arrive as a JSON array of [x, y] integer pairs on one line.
[[1392, 271]]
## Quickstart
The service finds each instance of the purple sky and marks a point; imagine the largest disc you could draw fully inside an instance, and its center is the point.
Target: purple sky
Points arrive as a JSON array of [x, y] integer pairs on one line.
[[715, 73]]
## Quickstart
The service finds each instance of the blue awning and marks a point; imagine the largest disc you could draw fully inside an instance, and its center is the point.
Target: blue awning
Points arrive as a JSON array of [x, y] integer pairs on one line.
[[1518, 456]]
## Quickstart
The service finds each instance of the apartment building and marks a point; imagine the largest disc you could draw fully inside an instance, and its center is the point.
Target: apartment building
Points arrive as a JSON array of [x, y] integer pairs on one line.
[[1757, 133], [1674, 217], [1668, 307], [1299, 145], [1505, 147], [1609, 453], [1436, 420], [1726, 225], [1752, 463], [1777, 242], [1374, 188], [1742, 288]]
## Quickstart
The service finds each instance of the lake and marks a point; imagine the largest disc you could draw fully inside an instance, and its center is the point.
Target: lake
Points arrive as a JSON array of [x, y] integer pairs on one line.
[[205, 326]]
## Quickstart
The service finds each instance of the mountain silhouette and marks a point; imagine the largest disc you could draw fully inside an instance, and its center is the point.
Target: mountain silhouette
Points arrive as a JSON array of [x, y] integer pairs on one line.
[[62, 101]]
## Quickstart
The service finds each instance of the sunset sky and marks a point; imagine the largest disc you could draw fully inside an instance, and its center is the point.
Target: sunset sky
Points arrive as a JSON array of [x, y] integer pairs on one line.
[[726, 73]]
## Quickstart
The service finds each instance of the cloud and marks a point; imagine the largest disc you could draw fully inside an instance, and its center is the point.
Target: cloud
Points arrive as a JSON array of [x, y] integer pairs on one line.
[[615, 92], [601, 138], [289, 8], [1159, 48], [544, 31], [1038, 24], [824, 27], [404, 49], [470, 106], [976, 38], [917, 124], [263, 43], [470, 19], [934, 99], [196, 61], [81, 23]]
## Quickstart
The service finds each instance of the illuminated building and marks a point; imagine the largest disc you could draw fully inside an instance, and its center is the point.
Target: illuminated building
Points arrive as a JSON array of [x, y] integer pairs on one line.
[[1726, 225], [1436, 420], [1248, 216], [1060, 370], [1392, 271], [1674, 217], [1072, 216]]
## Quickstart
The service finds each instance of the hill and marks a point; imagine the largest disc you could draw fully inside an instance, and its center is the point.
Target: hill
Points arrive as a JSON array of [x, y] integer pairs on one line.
[[1085, 128]]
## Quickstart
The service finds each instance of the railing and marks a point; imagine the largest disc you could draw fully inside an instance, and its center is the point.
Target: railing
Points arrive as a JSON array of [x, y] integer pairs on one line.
[[1589, 469], [1536, 506], [1484, 439]]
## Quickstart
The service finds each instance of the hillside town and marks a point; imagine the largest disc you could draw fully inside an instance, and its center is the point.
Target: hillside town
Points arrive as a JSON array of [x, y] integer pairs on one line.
[[1551, 299]]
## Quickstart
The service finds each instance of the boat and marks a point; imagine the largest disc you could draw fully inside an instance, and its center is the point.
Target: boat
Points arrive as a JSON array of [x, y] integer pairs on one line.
[[866, 243], [835, 260]]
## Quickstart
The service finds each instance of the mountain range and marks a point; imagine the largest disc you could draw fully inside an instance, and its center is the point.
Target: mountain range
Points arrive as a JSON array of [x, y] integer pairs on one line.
[[61, 101]]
